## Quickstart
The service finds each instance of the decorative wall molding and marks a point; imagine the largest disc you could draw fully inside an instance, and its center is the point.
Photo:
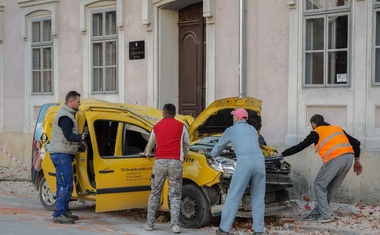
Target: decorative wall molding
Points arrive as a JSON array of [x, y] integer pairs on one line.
[[85, 4], [28, 7], [209, 11], [377, 117], [292, 3], [336, 113], [147, 14], [32, 3]]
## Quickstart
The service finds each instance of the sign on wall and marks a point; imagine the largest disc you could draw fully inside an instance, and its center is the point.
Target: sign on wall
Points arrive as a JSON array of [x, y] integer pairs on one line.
[[136, 50]]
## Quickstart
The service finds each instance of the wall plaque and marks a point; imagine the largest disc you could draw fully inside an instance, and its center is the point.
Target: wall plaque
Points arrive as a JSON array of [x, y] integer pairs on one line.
[[136, 50]]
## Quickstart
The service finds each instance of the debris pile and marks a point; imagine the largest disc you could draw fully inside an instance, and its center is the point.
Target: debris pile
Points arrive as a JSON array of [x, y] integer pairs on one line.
[[348, 218]]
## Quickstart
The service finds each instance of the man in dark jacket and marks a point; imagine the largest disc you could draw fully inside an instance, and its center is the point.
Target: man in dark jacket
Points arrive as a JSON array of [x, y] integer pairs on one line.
[[337, 150], [62, 148]]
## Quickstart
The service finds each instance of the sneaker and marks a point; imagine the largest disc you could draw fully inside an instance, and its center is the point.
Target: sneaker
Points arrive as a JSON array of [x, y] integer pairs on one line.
[[148, 227], [175, 229], [61, 219], [320, 219], [220, 231], [310, 217], [70, 215]]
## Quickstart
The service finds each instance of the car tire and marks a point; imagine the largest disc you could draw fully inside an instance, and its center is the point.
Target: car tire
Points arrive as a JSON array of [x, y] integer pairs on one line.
[[47, 197], [195, 207]]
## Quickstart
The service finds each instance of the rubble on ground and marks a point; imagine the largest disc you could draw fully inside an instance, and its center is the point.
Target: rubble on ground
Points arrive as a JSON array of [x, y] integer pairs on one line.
[[348, 218], [14, 174]]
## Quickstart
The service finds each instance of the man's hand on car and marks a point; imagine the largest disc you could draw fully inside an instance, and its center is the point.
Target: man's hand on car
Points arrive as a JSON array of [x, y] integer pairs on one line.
[[282, 160], [85, 132], [143, 155]]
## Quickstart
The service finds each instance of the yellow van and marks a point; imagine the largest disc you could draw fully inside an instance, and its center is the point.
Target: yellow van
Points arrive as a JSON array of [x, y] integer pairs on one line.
[[109, 170]]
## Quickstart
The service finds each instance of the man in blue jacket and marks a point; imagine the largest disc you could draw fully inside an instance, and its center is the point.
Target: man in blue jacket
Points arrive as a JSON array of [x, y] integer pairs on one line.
[[250, 169]]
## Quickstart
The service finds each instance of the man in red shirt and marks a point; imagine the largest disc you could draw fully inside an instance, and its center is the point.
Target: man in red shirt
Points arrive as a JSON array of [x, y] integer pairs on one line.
[[172, 146]]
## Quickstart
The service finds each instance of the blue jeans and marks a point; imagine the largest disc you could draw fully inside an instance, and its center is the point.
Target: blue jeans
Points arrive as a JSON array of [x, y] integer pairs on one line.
[[64, 181]]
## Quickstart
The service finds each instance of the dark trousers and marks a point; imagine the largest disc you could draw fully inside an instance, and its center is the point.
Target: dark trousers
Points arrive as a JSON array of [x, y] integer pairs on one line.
[[64, 181]]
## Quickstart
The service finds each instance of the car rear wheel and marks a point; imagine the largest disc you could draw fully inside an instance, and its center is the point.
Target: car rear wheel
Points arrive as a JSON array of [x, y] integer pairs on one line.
[[195, 207], [47, 197]]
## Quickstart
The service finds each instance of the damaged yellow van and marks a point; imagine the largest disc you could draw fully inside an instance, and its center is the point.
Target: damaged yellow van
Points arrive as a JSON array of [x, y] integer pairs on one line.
[[109, 170]]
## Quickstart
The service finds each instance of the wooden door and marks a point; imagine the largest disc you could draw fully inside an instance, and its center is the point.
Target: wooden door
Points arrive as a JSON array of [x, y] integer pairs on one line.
[[191, 60]]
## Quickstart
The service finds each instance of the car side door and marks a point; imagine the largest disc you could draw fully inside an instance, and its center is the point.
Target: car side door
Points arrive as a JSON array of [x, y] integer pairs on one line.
[[122, 176]]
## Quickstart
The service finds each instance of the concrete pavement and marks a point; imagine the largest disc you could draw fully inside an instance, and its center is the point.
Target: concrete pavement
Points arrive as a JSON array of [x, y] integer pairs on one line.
[[26, 216]]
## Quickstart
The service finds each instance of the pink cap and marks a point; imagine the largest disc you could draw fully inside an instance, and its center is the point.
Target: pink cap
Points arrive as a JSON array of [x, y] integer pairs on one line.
[[240, 113]]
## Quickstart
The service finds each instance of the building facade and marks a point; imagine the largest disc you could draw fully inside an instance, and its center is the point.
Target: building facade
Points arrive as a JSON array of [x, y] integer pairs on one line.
[[300, 57]]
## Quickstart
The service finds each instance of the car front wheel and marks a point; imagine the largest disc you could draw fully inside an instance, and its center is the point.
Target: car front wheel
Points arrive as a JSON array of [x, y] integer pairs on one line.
[[195, 207], [47, 197]]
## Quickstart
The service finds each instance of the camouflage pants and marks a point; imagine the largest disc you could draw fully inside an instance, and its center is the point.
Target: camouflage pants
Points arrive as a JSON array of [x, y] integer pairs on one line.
[[172, 169]]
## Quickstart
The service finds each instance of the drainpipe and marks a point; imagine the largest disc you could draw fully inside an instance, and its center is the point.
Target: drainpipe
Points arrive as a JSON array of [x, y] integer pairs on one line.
[[242, 48]]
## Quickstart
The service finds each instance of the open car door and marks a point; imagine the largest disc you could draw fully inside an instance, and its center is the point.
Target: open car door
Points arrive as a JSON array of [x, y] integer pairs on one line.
[[122, 176]]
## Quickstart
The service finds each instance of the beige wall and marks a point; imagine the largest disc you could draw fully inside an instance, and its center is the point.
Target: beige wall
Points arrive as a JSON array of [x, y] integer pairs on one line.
[[270, 75], [15, 147], [267, 58], [13, 92], [363, 188]]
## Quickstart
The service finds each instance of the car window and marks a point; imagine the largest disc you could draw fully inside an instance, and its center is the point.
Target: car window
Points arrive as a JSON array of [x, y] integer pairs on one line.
[[106, 132], [133, 139]]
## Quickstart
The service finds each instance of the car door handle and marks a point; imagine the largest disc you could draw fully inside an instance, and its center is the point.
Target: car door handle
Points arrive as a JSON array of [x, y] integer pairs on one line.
[[106, 171]]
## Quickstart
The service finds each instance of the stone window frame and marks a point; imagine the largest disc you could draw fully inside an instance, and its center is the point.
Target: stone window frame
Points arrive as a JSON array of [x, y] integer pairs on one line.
[[32, 10], [41, 46], [324, 13], [86, 7], [103, 39]]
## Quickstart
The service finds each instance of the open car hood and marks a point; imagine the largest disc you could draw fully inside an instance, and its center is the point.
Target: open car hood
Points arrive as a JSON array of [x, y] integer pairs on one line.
[[216, 118]]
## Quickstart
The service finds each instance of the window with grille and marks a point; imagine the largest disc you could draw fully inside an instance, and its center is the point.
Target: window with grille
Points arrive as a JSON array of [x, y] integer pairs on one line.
[[42, 59], [326, 43], [104, 52]]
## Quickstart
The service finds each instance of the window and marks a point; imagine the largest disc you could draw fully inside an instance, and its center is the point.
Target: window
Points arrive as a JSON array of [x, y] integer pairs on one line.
[[106, 132], [326, 43], [133, 142], [104, 52], [377, 43], [42, 50]]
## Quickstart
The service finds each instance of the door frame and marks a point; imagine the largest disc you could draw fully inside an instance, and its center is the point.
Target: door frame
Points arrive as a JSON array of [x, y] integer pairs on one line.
[[161, 19]]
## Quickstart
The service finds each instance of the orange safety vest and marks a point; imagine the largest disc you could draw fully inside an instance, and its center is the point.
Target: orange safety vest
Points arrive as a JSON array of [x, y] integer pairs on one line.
[[332, 142]]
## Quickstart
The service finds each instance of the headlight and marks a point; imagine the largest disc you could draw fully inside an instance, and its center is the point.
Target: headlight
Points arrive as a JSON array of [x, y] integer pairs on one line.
[[225, 165]]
